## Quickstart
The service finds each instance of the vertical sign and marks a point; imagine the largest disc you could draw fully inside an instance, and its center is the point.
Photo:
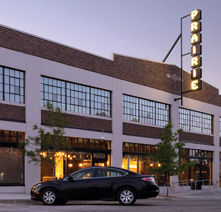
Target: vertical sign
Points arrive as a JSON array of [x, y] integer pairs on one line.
[[196, 50]]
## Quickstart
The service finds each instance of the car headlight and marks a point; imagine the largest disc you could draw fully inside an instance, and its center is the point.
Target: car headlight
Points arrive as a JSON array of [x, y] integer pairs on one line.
[[36, 188]]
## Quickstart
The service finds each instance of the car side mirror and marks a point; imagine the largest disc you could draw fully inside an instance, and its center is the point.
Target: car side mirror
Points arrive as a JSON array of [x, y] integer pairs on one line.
[[70, 178]]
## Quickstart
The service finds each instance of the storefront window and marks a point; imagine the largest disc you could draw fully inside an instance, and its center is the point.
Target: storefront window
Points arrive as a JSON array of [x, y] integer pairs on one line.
[[202, 170], [78, 160], [11, 158], [86, 153], [137, 163], [11, 166], [135, 158]]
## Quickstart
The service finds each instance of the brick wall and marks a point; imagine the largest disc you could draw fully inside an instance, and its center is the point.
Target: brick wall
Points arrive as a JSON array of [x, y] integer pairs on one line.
[[208, 94], [12, 113], [141, 130], [82, 122], [162, 77], [147, 73], [196, 138], [28, 44]]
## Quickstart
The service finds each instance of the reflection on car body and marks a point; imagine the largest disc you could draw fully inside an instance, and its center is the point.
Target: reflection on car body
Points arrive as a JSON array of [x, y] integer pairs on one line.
[[97, 183]]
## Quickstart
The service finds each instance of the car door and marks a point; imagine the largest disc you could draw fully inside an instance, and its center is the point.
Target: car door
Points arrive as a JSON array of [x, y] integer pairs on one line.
[[106, 182], [78, 186]]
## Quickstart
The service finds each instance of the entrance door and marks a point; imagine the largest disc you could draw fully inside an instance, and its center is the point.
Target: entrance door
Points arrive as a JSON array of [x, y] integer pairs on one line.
[[196, 174]]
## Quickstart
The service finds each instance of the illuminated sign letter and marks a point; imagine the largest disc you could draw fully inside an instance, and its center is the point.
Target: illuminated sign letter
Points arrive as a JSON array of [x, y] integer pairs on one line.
[[196, 26], [196, 73], [196, 50], [195, 15], [196, 38], [196, 61], [196, 85]]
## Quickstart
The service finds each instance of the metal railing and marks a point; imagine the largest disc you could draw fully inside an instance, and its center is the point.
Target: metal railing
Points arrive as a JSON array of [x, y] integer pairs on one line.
[[187, 185]]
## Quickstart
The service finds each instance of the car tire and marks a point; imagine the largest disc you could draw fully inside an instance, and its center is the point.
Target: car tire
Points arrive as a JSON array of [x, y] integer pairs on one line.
[[126, 196], [49, 197]]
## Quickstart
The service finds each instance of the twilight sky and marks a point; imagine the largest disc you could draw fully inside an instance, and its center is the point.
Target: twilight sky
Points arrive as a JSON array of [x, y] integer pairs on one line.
[[143, 29]]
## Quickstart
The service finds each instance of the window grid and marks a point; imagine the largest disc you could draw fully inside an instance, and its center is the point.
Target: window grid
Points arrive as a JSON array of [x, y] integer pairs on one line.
[[78, 98], [100, 102], [12, 137], [75, 97], [88, 143], [12, 85], [139, 148], [195, 121], [145, 111], [130, 108]]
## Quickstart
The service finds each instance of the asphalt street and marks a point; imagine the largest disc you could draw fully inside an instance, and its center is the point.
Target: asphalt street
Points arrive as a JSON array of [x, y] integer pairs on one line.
[[171, 205]]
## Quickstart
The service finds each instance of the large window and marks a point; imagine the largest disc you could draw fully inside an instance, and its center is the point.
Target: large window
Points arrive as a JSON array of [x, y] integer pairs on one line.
[[202, 171], [195, 121], [86, 153], [12, 85], [145, 111], [11, 158], [75, 97], [136, 159]]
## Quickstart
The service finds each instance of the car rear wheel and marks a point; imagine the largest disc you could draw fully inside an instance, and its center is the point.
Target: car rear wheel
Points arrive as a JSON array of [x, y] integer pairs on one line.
[[126, 196], [49, 197]]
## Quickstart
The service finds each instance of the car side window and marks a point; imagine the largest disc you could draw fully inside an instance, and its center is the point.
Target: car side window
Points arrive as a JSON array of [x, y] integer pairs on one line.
[[105, 172], [84, 174]]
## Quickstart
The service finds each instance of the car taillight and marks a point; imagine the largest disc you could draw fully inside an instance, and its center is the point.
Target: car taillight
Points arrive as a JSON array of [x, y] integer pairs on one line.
[[148, 179]]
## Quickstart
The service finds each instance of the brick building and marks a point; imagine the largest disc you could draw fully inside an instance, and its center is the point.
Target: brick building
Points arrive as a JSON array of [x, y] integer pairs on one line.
[[115, 110]]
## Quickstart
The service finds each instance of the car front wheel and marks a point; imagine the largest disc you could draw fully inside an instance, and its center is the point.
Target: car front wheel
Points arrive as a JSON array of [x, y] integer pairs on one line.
[[126, 196], [49, 197]]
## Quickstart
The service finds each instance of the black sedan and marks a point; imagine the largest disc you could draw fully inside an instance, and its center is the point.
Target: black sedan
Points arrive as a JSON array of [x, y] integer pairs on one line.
[[97, 183]]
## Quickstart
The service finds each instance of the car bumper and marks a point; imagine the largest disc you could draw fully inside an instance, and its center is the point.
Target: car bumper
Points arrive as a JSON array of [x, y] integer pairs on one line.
[[35, 196], [149, 194]]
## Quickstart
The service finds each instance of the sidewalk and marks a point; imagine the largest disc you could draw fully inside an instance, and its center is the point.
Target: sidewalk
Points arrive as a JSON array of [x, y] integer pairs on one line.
[[198, 194]]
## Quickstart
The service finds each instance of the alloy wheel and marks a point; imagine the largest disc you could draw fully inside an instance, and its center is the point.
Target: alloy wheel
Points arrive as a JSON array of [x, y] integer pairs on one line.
[[49, 197], [127, 196]]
